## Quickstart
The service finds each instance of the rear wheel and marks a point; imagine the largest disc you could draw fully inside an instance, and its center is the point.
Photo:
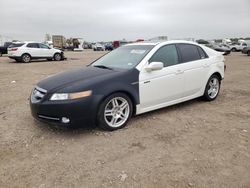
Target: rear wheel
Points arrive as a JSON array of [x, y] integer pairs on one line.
[[212, 88], [234, 49], [58, 57], [114, 112], [26, 58]]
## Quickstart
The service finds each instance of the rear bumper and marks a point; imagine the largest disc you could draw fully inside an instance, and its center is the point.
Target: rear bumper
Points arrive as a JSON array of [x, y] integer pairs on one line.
[[14, 57]]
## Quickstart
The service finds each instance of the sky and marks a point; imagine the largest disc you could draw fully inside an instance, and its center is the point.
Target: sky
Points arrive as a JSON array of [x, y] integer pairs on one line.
[[108, 20]]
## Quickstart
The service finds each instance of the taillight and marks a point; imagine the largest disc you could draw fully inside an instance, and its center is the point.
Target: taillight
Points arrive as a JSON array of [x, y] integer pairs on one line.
[[13, 49]]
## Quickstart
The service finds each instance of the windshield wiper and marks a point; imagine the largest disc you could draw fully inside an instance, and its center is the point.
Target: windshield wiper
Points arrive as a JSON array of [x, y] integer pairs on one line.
[[103, 67]]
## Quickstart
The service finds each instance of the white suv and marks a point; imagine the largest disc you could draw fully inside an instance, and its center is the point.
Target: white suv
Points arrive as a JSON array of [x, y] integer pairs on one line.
[[26, 51]]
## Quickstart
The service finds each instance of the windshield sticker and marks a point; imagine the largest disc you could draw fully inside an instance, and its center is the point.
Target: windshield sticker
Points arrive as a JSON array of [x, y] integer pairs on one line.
[[137, 51]]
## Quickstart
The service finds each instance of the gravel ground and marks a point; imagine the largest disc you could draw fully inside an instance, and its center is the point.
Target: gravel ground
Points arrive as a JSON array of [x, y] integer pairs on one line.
[[193, 144]]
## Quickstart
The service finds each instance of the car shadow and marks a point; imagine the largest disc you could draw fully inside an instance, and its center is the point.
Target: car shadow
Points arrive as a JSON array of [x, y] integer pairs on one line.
[[37, 61], [93, 129]]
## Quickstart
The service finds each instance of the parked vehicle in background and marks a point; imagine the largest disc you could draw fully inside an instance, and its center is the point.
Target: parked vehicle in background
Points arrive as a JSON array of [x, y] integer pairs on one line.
[[59, 42], [26, 51], [236, 47], [246, 50], [225, 49], [98, 47], [118, 43], [4, 48], [109, 47], [131, 80]]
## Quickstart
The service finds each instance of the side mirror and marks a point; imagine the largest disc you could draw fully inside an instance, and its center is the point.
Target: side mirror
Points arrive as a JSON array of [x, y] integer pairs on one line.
[[154, 66]]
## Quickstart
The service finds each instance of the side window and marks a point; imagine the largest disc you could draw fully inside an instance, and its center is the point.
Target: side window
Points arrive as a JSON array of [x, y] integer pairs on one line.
[[32, 45], [203, 55], [188, 52], [167, 55], [43, 46]]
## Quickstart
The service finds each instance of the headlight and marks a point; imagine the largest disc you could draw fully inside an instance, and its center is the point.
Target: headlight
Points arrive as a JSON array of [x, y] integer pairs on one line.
[[67, 96]]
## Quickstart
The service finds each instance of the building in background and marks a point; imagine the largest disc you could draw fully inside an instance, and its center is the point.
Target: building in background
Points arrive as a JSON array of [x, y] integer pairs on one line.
[[159, 38]]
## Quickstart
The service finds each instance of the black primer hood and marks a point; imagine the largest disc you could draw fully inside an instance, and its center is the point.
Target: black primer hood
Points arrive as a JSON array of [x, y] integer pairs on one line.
[[66, 78]]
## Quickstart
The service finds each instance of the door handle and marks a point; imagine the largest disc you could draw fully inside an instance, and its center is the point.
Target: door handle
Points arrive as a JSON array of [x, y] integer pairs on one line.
[[179, 72], [146, 82]]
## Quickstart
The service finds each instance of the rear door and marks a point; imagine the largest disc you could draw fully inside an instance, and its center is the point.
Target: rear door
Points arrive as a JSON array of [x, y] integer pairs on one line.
[[33, 49], [195, 66]]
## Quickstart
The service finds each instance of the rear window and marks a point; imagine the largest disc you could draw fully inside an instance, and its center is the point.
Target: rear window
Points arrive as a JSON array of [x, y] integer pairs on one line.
[[203, 55], [188, 52], [16, 45], [32, 45]]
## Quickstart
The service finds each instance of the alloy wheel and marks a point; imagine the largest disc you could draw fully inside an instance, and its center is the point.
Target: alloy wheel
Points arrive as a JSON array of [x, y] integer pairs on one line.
[[57, 57], [116, 112], [214, 86], [26, 58]]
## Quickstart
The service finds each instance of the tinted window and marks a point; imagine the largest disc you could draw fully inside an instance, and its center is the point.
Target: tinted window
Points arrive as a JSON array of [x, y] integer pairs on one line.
[[16, 45], [167, 55], [43, 46], [32, 45], [188, 52], [202, 53]]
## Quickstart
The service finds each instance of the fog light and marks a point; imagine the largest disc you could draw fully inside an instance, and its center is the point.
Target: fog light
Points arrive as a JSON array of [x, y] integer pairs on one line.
[[65, 120]]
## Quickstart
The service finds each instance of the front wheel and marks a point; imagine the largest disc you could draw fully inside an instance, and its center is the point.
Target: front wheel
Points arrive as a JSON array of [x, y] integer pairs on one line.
[[57, 57], [212, 88], [114, 112]]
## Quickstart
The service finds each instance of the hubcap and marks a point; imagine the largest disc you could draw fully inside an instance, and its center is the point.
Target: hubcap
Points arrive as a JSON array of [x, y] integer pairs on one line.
[[26, 58], [116, 112], [214, 86], [57, 57]]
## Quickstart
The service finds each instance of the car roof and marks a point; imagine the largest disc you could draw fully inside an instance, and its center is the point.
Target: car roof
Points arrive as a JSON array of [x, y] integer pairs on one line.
[[162, 42]]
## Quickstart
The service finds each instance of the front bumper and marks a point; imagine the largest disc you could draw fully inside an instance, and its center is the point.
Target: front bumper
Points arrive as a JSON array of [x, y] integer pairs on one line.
[[80, 112]]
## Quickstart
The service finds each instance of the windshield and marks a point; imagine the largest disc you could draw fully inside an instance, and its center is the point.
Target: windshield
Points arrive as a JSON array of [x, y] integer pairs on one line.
[[125, 57]]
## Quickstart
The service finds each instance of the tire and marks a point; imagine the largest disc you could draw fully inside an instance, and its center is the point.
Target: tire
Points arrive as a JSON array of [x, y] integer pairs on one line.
[[1, 54], [248, 53], [212, 88], [233, 49], [26, 58], [57, 57], [114, 112]]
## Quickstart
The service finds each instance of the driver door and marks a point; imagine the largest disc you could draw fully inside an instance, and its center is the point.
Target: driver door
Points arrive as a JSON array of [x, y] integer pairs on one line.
[[161, 87], [45, 51]]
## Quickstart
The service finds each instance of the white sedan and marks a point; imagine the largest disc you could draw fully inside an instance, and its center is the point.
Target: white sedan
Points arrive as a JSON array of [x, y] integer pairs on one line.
[[131, 80]]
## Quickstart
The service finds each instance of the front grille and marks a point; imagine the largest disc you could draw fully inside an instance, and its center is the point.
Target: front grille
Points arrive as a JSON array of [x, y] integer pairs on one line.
[[38, 94]]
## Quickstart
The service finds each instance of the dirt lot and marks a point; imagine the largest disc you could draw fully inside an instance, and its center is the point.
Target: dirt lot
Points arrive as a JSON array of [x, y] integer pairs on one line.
[[193, 144]]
